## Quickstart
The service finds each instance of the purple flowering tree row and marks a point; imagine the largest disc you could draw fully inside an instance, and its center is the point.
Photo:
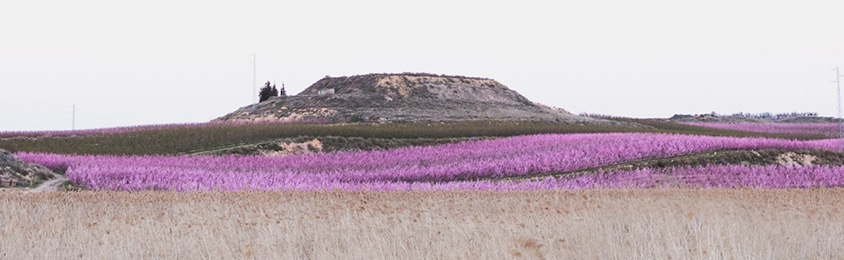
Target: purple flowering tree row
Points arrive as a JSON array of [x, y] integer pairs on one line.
[[443, 165]]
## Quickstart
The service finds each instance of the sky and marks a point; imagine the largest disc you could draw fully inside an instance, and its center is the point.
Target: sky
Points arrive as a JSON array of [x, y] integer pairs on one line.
[[126, 63]]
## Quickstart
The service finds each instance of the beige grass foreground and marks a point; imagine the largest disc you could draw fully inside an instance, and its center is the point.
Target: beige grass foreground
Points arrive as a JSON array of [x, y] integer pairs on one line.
[[787, 224]]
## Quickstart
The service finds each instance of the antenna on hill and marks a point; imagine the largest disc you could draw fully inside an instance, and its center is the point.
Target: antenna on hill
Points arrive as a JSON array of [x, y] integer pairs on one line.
[[840, 129], [73, 126], [254, 82]]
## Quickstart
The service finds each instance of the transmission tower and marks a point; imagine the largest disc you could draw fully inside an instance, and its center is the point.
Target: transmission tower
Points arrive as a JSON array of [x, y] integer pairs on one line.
[[73, 125]]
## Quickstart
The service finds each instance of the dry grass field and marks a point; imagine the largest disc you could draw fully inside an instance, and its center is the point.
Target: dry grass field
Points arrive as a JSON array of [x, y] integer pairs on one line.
[[590, 224]]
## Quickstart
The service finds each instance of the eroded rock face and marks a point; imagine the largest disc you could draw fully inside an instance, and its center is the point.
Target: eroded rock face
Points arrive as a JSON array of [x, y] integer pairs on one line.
[[15, 173], [403, 98], [293, 148], [796, 159], [419, 86]]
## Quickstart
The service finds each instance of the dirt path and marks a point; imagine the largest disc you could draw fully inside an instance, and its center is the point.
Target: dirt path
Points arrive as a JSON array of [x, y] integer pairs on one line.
[[51, 185]]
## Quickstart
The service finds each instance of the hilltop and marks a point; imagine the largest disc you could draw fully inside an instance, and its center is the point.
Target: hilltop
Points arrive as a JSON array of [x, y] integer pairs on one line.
[[406, 97]]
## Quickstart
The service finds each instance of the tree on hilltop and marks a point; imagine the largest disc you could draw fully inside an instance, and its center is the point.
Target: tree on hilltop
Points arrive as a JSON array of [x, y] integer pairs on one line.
[[267, 92]]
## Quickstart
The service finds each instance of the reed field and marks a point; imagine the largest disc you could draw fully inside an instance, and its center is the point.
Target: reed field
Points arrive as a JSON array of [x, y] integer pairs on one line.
[[538, 224]]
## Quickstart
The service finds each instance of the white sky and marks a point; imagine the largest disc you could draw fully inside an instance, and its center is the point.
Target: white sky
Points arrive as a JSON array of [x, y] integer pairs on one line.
[[157, 61]]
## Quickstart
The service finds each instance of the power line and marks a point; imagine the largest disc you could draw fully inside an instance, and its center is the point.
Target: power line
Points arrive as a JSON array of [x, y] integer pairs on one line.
[[254, 82], [840, 129]]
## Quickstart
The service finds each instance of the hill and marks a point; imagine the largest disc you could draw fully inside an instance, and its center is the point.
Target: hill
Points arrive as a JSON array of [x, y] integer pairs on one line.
[[405, 97]]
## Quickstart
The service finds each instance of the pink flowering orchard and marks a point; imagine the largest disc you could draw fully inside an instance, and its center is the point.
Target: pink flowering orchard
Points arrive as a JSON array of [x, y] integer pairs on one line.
[[465, 165], [827, 129]]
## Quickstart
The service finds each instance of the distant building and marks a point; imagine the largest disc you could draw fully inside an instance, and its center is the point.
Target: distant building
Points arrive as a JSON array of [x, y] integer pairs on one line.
[[325, 91]]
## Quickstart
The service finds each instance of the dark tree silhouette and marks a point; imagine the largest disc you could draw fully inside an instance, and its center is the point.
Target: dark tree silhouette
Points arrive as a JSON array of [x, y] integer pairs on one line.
[[267, 92]]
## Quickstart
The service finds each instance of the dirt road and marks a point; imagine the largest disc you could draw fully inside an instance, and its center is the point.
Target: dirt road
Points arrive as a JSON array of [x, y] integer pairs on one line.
[[51, 185]]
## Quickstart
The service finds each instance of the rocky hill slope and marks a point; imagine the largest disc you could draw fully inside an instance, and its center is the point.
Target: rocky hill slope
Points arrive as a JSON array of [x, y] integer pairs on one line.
[[15, 173], [403, 98]]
